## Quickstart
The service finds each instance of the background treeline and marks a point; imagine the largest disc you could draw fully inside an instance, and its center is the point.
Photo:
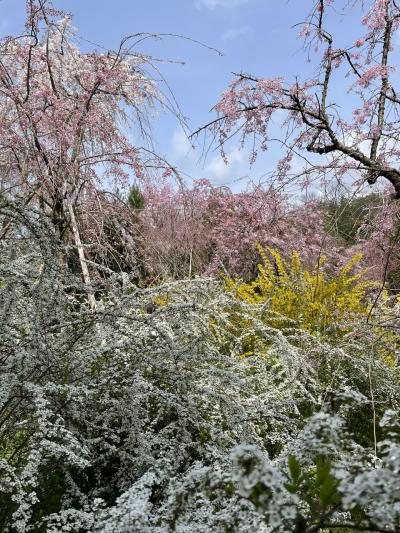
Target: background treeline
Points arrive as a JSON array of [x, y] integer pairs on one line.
[[168, 232]]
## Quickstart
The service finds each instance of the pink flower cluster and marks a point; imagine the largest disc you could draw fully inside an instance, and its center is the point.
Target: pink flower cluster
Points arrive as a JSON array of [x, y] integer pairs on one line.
[[210, 230]]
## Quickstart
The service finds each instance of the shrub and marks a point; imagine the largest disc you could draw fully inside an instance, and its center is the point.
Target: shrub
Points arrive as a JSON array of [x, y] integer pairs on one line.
[[131, 417], [308, 299]]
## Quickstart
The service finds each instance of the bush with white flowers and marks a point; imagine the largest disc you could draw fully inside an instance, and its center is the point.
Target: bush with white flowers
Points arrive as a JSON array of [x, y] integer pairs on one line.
[[133, 417]]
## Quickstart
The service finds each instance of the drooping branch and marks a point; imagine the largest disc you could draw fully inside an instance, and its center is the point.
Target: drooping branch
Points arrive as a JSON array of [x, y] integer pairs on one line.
[[367, 144]]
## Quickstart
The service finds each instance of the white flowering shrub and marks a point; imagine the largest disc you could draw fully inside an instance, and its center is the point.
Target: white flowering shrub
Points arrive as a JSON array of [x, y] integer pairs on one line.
[[135, 417]]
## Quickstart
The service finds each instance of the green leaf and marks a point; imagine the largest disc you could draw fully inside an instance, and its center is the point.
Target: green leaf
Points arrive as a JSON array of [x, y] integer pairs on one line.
[[294, 468], [326, 482]]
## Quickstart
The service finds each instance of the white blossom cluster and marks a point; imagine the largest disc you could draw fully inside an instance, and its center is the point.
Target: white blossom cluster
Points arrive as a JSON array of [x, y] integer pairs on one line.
[[139, 417]]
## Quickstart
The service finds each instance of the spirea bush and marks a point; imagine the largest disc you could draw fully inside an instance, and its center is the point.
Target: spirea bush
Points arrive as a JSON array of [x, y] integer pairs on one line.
[[139, 415]]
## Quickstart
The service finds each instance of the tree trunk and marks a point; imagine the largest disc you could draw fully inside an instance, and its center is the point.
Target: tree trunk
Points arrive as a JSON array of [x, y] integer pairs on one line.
[[82, 259]]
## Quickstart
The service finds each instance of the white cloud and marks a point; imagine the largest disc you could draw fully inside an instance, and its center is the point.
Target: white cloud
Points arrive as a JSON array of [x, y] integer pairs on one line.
[[221, 173], [214, 4], [180, 144], [190, 162], [235, 33], [351, 137]]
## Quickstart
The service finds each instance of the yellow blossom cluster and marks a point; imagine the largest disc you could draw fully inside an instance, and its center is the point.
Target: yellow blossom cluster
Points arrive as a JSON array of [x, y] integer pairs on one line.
[[306, 298]]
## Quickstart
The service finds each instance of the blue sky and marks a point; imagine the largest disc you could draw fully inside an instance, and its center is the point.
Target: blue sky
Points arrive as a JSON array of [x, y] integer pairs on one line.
[[254, 36]]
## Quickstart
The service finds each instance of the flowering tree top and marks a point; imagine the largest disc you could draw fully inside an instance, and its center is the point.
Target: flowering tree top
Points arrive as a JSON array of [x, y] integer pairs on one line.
[[366, 144], [65, 113]]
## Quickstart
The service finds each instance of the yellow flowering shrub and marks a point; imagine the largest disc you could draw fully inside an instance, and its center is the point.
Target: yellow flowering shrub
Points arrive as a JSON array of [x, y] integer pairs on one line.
[[308, 299], [162, 300]]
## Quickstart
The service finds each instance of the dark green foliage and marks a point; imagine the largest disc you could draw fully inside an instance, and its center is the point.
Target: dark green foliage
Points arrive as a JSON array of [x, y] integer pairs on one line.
[[136, 198], [345, 215]]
